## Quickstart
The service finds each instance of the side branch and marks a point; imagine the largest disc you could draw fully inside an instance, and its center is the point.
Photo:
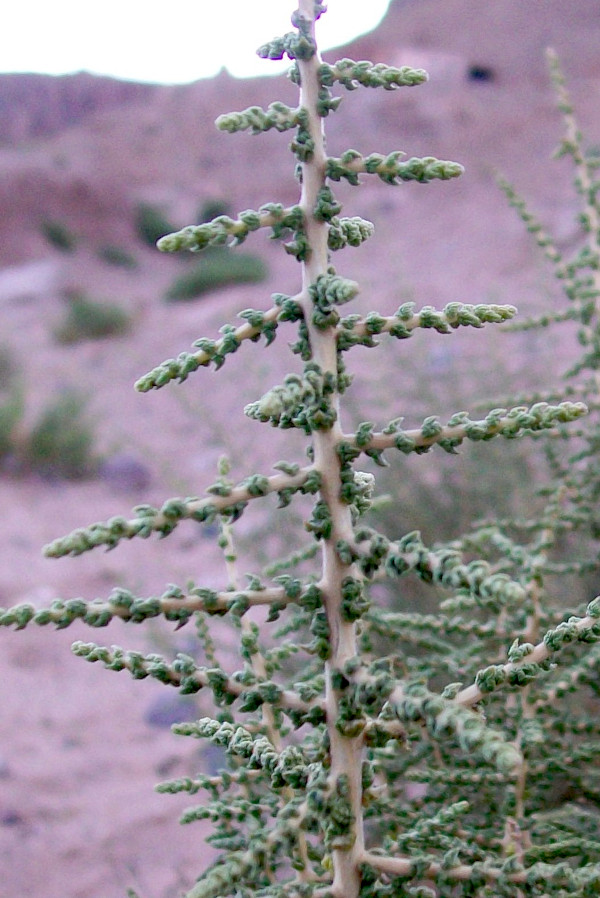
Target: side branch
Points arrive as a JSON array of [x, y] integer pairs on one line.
[[216, 232], [355, 330], [537, 876], [405, 867], [351, 74], [174, 605], [256, 120], [445, 719], [189, 678], [391, 168], [528, 661], [257, 324], [478, 581], [148, 520], [284, 766], [499, 422]]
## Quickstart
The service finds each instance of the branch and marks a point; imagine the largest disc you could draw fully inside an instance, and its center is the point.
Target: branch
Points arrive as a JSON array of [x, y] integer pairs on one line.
[[284, 767], [404, 866], [355, 330], [257, 120], [499, 422], [481, 582], [150, 520], [581, 880], [217, 231], [174, 605], [444, 718], [189, 678], [213, 784], [528, 660], [571, 145], [353, 74], [391, 169], [257, 323]]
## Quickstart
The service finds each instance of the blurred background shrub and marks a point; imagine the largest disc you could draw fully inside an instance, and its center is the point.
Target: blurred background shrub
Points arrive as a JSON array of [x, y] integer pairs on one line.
[[151, 224], [58, 235], [220, 267], [117, 256], [60, 445], [12, 403], [212, 208], [87, 319]]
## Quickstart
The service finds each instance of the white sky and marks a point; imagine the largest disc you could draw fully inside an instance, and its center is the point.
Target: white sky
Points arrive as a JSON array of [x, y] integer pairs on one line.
[[179, 41]]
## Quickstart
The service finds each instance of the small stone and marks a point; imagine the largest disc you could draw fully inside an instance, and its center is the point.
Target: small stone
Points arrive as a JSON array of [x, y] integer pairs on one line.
[[166, 710], [125, 473], [11, 818]]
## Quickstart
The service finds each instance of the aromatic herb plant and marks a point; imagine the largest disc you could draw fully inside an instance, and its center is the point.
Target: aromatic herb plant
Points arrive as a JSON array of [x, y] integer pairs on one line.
[[372, 750]]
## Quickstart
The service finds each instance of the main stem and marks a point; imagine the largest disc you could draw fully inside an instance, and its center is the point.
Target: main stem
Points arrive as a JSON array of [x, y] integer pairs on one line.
[[345, 752]]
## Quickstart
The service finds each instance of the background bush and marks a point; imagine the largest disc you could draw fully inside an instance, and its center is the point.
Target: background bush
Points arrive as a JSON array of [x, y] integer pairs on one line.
[[115, 255], [219, 268], [60, 444], [58, 235], [87, 319], [212, 208], [151, 224], [11, 401]]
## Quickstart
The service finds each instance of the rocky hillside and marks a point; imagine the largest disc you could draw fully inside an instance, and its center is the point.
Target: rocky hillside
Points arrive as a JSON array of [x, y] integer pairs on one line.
[[84, 150], [33, 106]]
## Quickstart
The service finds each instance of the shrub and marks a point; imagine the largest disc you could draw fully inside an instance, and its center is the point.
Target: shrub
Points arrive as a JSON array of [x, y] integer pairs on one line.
[[12, 404], [151, 224], [117, 256], [60, 445], [11, 413], [59, 235], [87, 319], [219, 268], [212, 209]]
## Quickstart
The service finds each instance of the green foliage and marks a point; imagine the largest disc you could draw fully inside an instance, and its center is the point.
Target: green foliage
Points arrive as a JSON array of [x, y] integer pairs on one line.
[[58, 445], [151, 223], [61, 442], [376, 748], [87, 319], [12, 404], [58, 235], [219, 268], [117, 256], [212, 208]]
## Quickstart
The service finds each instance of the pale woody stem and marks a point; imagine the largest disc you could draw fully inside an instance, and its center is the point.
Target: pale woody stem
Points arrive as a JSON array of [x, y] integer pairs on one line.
[[346, 753]]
